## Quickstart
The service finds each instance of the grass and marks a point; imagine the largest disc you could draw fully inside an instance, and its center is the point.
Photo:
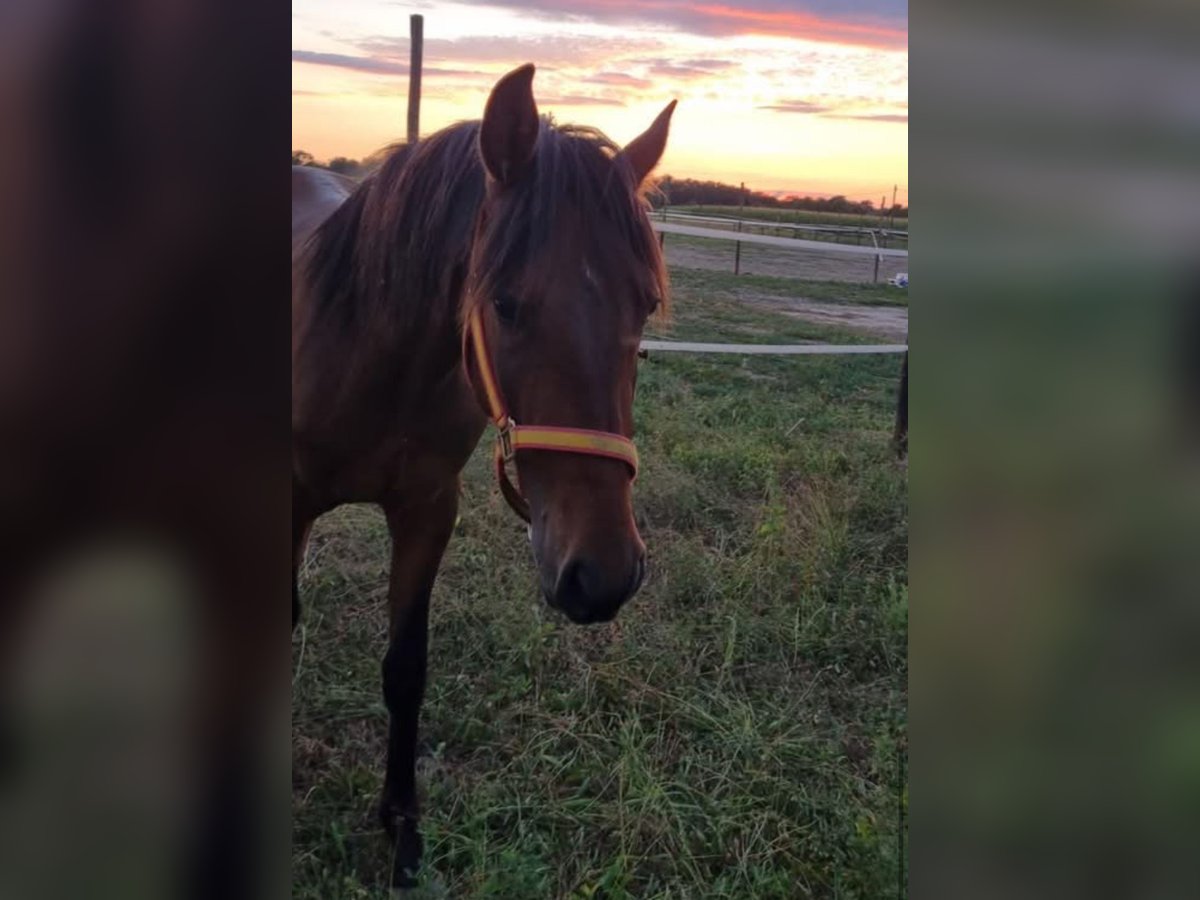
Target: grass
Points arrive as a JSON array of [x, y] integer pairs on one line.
[[777, 228], [807, 263], [736, 733], [725, 284], [804, 216]]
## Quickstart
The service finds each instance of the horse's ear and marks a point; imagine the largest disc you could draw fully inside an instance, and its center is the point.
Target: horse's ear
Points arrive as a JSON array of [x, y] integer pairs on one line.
[[510, 126], [645, 150]]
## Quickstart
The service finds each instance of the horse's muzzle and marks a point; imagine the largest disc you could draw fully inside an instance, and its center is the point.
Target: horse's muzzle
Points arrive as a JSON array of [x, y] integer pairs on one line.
[[588, 593]]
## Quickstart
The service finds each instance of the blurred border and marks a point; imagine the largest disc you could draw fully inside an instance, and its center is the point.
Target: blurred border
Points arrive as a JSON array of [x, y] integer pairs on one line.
[[144, 447], [1055, 718]]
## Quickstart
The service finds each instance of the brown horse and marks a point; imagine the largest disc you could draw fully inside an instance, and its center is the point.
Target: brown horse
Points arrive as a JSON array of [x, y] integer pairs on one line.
[[537, 236]]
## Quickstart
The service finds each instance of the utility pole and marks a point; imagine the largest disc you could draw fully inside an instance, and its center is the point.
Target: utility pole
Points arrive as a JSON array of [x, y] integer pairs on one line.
[[416, 34], [892, 211]]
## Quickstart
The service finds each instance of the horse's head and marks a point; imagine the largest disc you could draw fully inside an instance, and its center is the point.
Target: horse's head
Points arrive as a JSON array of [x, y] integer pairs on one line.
[[565, 270]]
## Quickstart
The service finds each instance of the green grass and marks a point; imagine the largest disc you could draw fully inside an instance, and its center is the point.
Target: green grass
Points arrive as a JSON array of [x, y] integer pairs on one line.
[[725, 285], [808, 265], [735, 734], [805, 216]]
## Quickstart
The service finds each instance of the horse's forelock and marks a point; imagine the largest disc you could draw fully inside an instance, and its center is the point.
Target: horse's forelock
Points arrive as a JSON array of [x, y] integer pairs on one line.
[[574, 166]]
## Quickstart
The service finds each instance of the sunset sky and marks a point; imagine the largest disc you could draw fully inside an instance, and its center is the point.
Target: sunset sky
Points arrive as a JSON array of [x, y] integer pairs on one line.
[[806, 96]]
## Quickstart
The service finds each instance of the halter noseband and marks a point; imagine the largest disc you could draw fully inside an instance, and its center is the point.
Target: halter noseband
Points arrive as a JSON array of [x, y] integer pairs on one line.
[[512, 437]]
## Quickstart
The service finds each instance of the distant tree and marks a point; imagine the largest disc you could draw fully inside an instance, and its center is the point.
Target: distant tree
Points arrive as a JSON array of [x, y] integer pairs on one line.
[[302, 158], [345, 166]]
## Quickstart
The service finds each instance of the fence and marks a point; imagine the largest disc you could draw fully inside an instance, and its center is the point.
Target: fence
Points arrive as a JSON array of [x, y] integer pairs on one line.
[[742, 237], [774, 349], [858, 232]]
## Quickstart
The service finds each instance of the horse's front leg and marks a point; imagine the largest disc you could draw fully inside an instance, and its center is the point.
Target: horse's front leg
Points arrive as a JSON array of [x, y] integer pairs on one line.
[[419, 537]]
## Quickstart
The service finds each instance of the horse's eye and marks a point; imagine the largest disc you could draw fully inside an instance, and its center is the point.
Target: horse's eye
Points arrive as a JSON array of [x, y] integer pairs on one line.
[[506, 307]]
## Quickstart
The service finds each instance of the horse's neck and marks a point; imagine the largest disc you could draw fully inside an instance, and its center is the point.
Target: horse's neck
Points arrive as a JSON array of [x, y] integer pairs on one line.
[[413, 337], [348, 355]]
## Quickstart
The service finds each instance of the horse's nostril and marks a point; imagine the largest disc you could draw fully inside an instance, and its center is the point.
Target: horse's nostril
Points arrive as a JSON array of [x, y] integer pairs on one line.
[[639, 574], [587, 592], [570, 582]]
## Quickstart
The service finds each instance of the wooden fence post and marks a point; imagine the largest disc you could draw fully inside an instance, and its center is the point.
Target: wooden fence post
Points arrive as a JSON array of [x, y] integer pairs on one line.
[[900, 434], [737, 250], [416, 32]]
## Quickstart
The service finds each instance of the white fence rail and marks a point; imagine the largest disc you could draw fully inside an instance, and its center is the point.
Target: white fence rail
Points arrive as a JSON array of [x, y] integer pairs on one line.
[[773, 241], [774, 349], [666, 215]]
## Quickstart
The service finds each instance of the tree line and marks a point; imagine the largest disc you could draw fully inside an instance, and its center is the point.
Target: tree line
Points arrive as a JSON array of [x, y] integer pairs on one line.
[[343, 165], [690, 192], [671, 191]]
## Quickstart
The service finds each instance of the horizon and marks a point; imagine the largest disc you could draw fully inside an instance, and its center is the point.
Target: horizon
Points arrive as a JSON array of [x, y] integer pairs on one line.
[[791, 101], [779, 194]]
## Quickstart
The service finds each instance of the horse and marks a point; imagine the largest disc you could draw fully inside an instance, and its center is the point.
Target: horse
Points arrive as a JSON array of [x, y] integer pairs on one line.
[[499, 269]]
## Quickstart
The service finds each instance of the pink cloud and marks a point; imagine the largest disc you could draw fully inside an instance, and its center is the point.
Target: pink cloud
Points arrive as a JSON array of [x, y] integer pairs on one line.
[[870, 23], [546, 51], [372, 64], [858, 108], [681, 73]]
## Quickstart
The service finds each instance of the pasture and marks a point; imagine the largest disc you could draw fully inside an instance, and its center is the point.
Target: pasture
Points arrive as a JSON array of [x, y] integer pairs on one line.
[[684, 251], [804, 216], [738, 732]]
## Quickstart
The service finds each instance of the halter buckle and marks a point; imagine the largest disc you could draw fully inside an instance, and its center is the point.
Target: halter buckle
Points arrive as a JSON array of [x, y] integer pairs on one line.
[[507, 451]]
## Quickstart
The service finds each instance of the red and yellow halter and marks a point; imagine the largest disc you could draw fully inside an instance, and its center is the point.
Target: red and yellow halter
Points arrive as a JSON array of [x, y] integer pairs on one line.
[[512, 437]]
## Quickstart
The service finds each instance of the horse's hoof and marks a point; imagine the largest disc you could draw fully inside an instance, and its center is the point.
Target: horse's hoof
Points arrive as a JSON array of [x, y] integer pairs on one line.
[[406, 859], [403, 880]]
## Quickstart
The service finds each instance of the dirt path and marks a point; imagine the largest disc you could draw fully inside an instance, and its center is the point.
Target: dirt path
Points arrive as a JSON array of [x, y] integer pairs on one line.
[[889, 322]]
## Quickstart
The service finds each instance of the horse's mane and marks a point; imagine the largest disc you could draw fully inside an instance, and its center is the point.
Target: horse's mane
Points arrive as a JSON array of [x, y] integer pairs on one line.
[[393, 258]]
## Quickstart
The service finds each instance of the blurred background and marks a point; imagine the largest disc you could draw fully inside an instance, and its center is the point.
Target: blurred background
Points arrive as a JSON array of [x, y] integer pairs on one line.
[[1055, 710], [143, 448]]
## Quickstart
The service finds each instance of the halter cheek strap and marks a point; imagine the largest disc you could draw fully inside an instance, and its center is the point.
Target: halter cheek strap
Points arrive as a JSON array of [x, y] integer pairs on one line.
[[512, 437]]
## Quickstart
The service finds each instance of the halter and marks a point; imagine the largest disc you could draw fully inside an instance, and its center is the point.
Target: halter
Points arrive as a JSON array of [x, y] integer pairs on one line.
[[512, 437]]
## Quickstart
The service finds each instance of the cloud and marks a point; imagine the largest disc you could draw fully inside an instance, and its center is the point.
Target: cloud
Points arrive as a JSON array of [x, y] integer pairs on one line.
[[870, 23], [806, 107], [546, 51], [355, 63], [683, 73], [578, 100], [372, 64], [876, 117], [862, 109], [712, 64], [684, 69], [618, 79]]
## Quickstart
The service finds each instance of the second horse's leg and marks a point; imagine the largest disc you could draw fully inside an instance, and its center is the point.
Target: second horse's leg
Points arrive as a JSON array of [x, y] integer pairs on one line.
[[301, 526], [419, 537]]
